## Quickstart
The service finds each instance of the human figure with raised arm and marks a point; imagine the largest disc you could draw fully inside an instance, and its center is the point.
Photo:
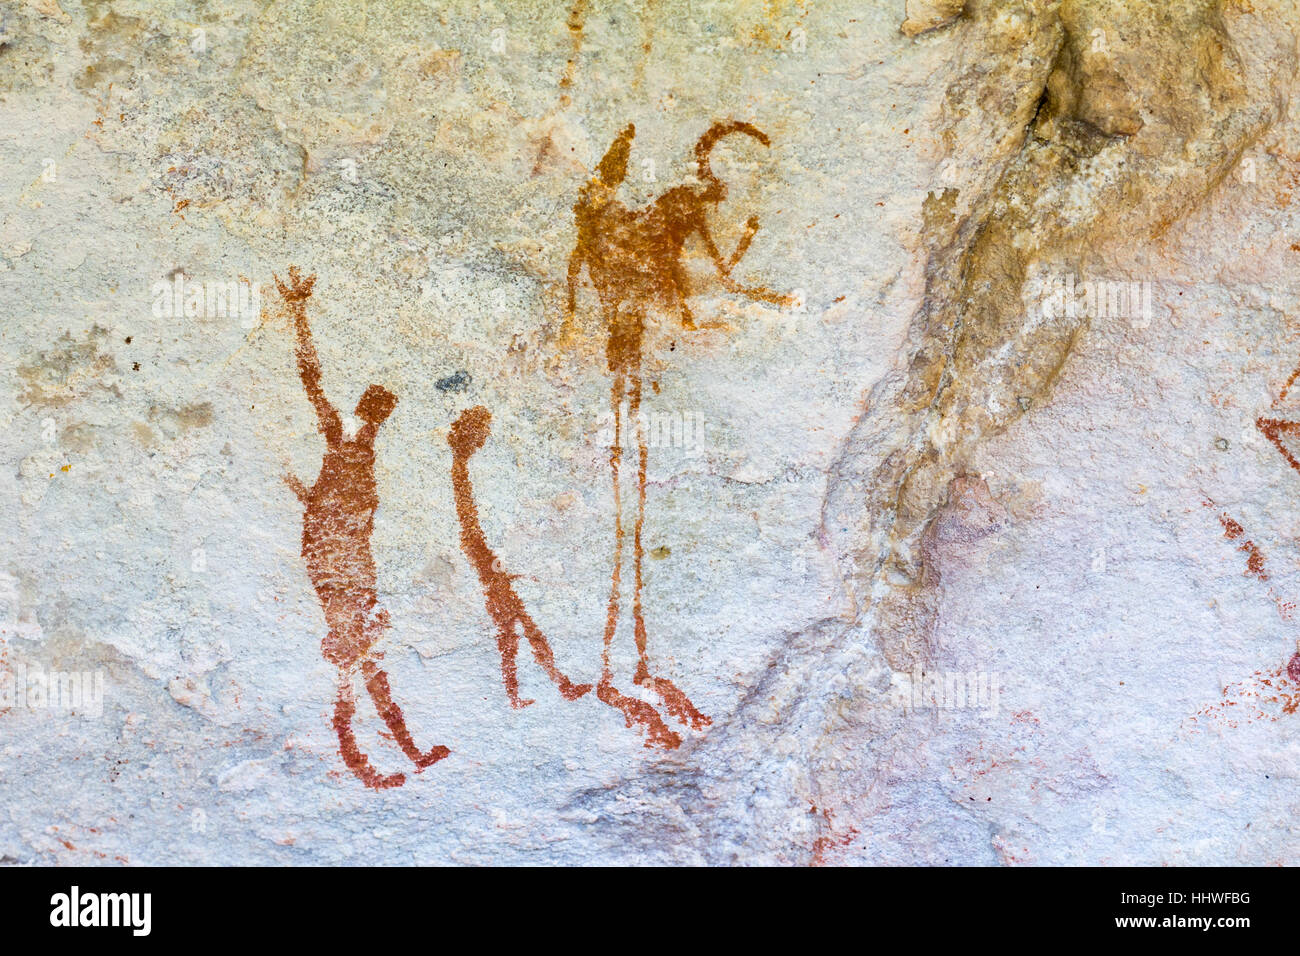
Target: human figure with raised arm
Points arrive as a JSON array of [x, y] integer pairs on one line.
[[337, 522]]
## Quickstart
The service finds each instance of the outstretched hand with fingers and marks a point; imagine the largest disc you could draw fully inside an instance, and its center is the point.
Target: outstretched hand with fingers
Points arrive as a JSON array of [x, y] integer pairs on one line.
[[298, 289]]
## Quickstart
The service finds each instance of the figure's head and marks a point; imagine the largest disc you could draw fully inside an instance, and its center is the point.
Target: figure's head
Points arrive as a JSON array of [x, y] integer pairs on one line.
[[715, 189], [470, 431], [376, 405]]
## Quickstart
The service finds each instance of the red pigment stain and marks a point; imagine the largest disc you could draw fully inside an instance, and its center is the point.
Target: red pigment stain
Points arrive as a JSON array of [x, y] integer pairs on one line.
[[576, 22], [830, 840], [1266, 696], [1009, 853], [1289, 382], [1255, 566], [338, 519], [1254, 557]]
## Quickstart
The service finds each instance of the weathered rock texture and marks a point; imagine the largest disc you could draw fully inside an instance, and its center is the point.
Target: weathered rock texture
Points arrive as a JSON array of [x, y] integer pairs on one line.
[[822, 250]]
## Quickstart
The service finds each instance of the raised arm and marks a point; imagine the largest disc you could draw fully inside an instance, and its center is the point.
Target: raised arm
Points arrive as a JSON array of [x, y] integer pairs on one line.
[[295, 295], [724, 266]]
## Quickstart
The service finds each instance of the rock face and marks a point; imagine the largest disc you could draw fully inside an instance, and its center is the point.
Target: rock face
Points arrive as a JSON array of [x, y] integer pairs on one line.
[[625, 432]]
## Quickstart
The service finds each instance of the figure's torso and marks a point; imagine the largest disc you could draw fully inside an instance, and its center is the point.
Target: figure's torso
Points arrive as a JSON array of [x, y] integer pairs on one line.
[[340, 517]]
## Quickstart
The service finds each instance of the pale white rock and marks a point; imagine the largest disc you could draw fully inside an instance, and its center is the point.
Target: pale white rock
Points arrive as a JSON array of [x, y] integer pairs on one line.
[[1057, 529]]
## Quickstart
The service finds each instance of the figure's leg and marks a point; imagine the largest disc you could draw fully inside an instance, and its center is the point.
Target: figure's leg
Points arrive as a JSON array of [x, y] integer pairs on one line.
[[382, 695], [546, 659], [508, 645], [638, 618], [677, 280], [571, 292], [677, 703], [345, 708], [615, 463], [634, 709]]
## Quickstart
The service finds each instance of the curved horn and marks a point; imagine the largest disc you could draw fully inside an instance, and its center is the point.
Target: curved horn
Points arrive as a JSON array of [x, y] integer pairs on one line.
[[710, 138]]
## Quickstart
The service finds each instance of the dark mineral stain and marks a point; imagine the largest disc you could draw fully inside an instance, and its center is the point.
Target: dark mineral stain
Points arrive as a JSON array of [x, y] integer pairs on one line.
[[57, 376], [456, 382]]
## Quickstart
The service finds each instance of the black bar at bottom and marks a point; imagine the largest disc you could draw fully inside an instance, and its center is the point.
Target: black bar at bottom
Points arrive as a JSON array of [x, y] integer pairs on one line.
[[333, 906]]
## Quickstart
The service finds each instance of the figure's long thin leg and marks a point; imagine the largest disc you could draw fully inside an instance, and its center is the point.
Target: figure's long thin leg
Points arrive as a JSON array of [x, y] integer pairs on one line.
[[574, 273], [676, 702], [546, 660], [382, 695], [345, 708], [615, 464], [508, 646], [634, 411], [634, 709]]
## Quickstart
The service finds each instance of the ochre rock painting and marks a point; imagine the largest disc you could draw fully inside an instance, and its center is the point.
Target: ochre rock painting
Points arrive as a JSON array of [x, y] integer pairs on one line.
[[1265, 695], [634, 260], [337, 522], [1277, 430], [983, 302]]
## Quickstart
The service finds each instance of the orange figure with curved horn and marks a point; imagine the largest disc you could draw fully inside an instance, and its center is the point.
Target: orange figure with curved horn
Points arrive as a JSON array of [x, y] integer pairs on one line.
[[633, 258]]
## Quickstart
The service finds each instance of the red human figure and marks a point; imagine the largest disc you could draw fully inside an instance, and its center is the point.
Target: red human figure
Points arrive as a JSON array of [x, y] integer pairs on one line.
[[506, 609], [338, 519]]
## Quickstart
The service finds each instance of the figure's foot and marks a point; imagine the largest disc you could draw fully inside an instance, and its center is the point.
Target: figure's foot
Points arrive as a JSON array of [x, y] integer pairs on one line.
[[638, 711], [545, 658], [571, 691], [381, 694], [356, 761], [519, 703], [431, 758], [675, 701]]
